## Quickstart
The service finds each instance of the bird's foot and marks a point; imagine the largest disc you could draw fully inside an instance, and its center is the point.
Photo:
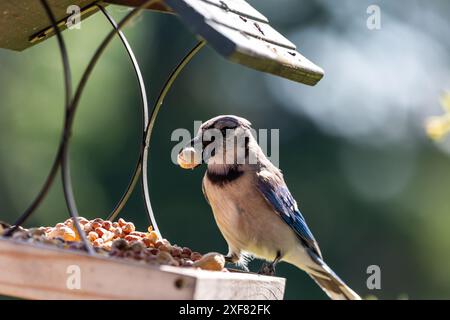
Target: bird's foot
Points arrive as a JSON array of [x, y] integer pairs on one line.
[[267, 269]]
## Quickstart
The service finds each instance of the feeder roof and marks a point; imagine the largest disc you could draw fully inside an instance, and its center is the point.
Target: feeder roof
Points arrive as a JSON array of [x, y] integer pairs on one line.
[[233, 28]]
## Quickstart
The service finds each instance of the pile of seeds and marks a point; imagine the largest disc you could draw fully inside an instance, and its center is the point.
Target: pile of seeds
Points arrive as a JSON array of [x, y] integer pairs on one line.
[[120, 239]]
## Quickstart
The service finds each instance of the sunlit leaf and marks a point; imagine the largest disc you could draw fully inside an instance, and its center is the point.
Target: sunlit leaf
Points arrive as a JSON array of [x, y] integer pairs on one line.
[[438, 127], [445, 101]]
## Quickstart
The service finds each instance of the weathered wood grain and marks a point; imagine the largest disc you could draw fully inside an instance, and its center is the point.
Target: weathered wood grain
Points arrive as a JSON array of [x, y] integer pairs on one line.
[[23, 20], [40, 272], [232, 27], [239, 7], [246, 41], [240, 23], [159, 6]]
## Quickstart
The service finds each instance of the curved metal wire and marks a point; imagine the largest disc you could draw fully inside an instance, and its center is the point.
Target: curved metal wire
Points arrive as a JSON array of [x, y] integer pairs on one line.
[[151, 124], [147, 136], [66, 183], [71, 107], [137, 171], [61, 157], [65, 165], [68, 94]]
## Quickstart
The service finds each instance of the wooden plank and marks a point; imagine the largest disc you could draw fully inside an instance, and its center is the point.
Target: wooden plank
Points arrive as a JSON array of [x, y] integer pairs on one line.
[[232, 27], [268, 54], [267, 57], [41, 273], [36, 271], [240, 23], [136, 3], [239, 7], [241, 286], [24, 23], [20, 20]]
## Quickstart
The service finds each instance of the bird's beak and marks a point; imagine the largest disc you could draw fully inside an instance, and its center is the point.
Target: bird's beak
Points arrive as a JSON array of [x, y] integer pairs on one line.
[[190, 157]]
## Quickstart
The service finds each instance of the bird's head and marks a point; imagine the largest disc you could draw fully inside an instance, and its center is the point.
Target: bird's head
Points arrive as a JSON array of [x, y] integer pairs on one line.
[[223, 140]]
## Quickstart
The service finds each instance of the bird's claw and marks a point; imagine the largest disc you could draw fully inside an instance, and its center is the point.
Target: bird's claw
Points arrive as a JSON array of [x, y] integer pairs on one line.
[[267, 269]]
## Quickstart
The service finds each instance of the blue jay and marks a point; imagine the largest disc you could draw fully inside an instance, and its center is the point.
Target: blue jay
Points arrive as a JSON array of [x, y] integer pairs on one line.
[[252, 206]]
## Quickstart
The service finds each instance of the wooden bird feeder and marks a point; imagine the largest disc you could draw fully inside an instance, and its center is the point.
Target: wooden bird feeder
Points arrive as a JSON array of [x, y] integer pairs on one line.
[[236, 31]]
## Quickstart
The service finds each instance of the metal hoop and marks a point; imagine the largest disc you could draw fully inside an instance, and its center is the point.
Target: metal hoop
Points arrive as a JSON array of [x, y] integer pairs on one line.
[[68, 94], [138, 167], [148, 126], [65, 166], [151, 124], [61, 157]]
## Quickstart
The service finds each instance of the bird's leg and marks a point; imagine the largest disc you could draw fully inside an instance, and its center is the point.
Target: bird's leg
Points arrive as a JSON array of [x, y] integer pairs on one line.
[[268, 268]]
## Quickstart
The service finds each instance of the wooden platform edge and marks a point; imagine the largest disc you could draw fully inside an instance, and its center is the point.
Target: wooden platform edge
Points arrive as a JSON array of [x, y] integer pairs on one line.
[[33, 271]]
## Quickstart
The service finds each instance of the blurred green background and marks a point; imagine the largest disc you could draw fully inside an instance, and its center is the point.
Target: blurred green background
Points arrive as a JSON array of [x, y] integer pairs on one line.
[[373, 188]]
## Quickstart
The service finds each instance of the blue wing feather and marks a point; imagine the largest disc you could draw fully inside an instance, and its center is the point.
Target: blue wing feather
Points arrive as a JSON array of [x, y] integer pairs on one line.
[[281, 200]]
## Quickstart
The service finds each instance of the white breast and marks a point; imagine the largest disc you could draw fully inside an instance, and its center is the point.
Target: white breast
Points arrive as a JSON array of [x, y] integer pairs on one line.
[[247, 222]]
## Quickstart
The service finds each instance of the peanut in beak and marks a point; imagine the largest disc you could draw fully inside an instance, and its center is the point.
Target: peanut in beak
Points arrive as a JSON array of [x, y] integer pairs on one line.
[[189, 158]]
